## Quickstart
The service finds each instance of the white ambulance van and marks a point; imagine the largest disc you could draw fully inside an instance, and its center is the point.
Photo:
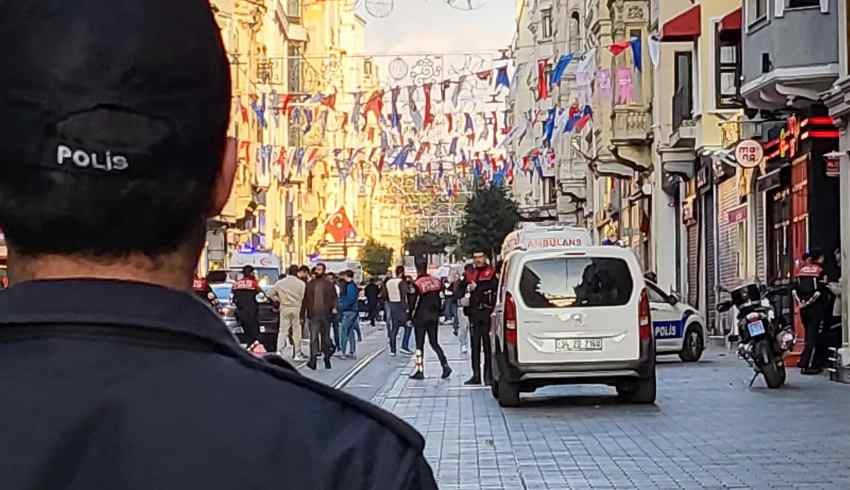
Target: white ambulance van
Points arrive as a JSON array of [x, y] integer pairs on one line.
[[569, 312]]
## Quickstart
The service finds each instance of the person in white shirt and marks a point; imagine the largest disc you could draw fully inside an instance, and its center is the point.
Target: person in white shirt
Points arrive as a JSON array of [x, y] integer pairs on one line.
[[397, 300], [289, 292]]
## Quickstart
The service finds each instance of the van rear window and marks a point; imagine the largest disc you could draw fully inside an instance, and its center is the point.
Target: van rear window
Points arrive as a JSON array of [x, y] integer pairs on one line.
[[573, 282]]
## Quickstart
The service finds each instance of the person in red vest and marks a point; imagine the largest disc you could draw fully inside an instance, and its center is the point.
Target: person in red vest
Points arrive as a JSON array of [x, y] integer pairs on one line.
[[426, 320], [245, 292], [482, 284], [809, 286], [202, 289]]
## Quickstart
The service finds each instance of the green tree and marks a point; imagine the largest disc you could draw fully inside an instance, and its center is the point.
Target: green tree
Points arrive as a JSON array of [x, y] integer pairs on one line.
[[375, 258], [429, 243], [490, 216]]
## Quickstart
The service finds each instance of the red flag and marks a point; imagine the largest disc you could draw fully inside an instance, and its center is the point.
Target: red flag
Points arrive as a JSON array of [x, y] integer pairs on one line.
[[619, 47], [542, 80], [429, 118], [338, 226], [287, 99], [443, 87], [329, 101], [450, 120], [484, 75], [244, 111], [375, 104]]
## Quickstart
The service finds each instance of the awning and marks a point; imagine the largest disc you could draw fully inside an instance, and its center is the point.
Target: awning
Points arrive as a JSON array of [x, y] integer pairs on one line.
[[730, 25], [683, 27]]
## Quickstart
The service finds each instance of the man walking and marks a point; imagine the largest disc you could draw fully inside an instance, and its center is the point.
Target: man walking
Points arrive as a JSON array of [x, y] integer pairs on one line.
[[482, 285], [810, 284], [320, 303], [245, 292], [426, 321], [371, 292], [113, 155], [348, 314], [397, 299], [289, 293]]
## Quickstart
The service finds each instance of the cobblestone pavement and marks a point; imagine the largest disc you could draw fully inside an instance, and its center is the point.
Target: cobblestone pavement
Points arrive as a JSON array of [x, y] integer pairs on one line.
[[707, 430]]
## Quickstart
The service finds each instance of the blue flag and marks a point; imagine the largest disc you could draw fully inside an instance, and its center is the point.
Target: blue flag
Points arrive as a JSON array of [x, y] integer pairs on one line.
[[502, 78], [636, 53], [549, 127], [560, 68]]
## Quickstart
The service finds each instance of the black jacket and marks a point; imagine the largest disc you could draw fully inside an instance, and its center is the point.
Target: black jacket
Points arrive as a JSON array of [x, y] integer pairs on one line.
[[111, 384]]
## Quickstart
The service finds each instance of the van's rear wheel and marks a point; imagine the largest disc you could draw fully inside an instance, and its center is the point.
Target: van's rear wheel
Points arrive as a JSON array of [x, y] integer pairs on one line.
[[640, 391], [507, 393]]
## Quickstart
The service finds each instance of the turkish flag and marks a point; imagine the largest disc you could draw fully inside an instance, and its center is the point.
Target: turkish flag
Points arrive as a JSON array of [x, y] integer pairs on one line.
[[338, 226]]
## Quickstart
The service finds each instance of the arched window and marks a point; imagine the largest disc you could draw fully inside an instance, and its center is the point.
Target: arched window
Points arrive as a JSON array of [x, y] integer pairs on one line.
[[575, 32]]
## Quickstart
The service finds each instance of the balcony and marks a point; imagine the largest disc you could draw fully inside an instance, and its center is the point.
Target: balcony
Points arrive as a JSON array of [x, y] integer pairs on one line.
[[786, 59], [631, 125]]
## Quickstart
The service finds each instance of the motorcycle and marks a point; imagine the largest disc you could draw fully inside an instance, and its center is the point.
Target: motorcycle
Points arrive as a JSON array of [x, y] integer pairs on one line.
[[763, 338]]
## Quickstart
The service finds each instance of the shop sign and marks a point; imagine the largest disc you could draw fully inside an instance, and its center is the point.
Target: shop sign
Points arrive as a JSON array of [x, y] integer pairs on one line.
[[730, 132], [688, 212], [833, 167], [703, 176], [749, 154], [736, 215]]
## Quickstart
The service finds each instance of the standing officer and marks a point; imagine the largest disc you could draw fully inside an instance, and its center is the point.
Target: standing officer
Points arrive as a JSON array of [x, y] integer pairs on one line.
[[113, 154], [426, 320], [201, 288], [245, 292], [482, 285], [809, 285]]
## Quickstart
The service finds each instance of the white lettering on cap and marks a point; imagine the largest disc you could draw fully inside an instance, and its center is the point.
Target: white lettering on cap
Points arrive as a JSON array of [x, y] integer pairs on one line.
[[85, 158]]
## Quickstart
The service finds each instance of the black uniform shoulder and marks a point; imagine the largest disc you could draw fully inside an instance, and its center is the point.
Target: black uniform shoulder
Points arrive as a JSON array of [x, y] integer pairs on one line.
[[285, 380]]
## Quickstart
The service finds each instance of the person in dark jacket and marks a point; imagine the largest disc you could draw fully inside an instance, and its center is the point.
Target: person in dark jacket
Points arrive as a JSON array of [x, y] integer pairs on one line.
[[201, 288], [114, 154], [320, 304], [426, 320], [372, 291], [809, 292], [481, 284], [348, 314], [245, 292]]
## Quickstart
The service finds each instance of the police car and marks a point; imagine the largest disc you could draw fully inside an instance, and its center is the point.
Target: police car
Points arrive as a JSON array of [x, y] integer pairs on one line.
[[568, 312], [678, 327]]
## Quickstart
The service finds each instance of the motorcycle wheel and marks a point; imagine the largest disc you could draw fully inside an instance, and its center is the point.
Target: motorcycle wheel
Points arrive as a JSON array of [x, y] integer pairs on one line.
[[772, 370]]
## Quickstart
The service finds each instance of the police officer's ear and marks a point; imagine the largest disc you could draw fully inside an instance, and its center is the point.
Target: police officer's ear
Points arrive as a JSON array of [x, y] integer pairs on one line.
[[224, 180]]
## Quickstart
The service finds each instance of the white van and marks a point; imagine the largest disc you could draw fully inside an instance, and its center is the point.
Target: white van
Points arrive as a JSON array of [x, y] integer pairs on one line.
[[571, 315]]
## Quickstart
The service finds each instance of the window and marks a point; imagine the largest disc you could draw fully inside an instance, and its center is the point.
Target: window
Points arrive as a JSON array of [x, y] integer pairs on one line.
[[546, 23], [727, 80], [367, 67], [568, 282], [575, 33], [550, 191], [792, 4], [743, 251], [655, 295], [758, 9], [293, 8], [683, 102]]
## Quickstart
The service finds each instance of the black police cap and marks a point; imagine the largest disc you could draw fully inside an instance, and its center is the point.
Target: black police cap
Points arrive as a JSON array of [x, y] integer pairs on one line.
[[123, 88]]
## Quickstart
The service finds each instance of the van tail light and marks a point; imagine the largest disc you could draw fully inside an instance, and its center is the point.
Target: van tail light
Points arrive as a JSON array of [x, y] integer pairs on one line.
[[644, 320], [510, 319]]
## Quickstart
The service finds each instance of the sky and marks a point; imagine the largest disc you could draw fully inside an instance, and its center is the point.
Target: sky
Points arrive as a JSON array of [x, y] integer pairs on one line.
[[431, 25]]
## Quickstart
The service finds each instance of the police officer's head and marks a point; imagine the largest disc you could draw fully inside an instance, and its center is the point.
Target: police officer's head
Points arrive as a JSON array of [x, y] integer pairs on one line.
[[113, 131], [816, 255], [479, 257], [248, 271]]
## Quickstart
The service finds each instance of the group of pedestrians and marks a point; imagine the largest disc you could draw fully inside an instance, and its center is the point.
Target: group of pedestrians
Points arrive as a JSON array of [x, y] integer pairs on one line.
[[319, 303]]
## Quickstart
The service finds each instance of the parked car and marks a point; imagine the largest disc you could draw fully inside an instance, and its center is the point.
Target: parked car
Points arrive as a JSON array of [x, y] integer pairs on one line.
[[568, 313], [223, 291], [678, 327]]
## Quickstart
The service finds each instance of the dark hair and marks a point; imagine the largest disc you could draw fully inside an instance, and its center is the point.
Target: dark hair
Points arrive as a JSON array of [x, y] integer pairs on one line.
[[293, 270], [816, 253], [247, 270], [106, 216], [422, 268], [304, 268], [399, 271]]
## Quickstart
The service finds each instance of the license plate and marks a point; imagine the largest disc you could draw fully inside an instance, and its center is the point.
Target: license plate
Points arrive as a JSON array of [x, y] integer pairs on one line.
[[578, 344], [756, 328]]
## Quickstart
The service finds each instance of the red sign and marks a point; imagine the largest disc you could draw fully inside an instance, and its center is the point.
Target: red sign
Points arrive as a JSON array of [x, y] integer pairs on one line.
[[833, 167], [737, 215]]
